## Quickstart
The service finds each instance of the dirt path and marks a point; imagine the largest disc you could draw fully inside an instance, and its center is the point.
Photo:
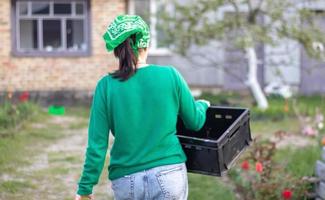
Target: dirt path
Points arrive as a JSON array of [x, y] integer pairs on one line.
[[54, 172]]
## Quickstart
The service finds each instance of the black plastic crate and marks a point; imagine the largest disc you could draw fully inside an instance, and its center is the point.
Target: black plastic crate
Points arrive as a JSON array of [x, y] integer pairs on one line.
[[213, 149]]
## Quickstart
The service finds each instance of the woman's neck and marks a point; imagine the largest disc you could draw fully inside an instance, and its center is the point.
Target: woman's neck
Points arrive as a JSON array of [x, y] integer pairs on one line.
[[141, 63]]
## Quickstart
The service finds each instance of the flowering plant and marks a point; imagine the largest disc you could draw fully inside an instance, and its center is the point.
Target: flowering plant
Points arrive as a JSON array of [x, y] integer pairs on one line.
[[261, 177], [310, 126], [13, 113]]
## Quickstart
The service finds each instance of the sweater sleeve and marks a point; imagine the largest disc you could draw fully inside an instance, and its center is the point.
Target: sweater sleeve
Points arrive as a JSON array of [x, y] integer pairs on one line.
[[98, 132], [193, 113]]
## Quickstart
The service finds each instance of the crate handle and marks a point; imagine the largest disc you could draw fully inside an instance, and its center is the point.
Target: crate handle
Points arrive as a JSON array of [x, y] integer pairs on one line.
[[218, 116], [228, 117], [234, 133]]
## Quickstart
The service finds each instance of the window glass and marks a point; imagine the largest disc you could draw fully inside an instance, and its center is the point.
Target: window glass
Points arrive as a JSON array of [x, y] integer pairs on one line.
[[39, 8], [23, 8], [62, 8], [47, 27], [28, 34], [79, 9], [75, 35], [51, 34], [142, 8], [161, 35]]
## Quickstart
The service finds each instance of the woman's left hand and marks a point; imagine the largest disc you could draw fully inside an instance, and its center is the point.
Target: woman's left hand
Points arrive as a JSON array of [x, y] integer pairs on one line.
[[78, 197], [205, 101]]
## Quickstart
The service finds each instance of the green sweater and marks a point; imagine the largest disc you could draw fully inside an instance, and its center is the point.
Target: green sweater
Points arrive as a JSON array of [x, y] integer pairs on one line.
[[141, 113]]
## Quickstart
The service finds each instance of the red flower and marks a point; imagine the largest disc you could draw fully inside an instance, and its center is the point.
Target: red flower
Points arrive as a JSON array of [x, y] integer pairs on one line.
[[24, 97], [259, 167], [245, 165], [287, 194]]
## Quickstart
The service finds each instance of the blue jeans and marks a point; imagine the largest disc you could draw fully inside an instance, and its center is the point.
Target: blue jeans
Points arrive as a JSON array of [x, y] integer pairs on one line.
[[164, 182]]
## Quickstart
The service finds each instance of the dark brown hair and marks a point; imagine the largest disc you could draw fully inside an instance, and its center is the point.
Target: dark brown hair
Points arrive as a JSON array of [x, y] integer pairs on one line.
[[127, 60]]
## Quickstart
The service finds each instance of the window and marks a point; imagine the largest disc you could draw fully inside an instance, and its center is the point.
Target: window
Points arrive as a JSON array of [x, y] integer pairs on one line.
[[149, 10], [51, 28]]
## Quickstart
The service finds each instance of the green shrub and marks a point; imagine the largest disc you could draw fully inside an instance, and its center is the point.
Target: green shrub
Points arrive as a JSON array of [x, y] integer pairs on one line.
[[11, 115], [275, 112], [278, 110]]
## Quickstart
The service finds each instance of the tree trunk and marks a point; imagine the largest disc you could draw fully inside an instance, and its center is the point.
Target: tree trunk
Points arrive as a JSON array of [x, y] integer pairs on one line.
[[252, 82]]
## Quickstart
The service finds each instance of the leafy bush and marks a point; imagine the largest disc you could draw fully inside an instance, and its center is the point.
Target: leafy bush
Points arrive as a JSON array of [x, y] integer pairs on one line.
[[11, 115]]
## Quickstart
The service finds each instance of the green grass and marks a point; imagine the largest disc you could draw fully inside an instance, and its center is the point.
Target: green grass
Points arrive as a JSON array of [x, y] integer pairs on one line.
[[12, 152], [61, 157], [78, 111], [21, 147], [15, 186], [24, 145], [299, 162], [80, 124], [18, 149], [208, 188], [266, 128], [52, 171]]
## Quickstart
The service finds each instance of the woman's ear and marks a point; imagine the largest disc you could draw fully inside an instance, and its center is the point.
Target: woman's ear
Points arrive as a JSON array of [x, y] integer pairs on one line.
[[144, 50]]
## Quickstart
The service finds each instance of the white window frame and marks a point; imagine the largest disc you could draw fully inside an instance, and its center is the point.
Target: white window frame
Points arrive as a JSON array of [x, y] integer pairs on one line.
[[154, 50]]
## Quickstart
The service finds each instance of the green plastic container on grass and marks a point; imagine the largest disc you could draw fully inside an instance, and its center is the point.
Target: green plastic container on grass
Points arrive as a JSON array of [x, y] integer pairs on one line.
[[56, 110]]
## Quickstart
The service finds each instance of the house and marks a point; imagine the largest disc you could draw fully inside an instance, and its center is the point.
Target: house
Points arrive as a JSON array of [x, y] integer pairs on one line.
[[56, 45]]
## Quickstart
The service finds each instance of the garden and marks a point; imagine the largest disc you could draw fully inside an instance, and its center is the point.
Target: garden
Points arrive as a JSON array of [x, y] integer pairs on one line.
[[42, 154]]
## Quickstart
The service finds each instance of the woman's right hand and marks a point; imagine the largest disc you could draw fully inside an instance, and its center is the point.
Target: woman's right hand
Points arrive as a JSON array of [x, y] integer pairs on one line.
[[205, 101], [78, 197]]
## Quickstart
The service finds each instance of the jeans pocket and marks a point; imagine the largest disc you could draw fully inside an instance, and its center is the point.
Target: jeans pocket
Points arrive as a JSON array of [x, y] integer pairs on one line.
[[173, 182], [123, 188]]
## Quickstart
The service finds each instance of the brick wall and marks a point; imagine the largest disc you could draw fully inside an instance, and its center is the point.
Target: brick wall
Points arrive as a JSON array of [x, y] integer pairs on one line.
[[58, 73]]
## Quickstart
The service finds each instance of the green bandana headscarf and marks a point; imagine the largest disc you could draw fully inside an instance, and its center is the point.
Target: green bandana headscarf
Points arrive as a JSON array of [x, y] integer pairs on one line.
[[123, 27]]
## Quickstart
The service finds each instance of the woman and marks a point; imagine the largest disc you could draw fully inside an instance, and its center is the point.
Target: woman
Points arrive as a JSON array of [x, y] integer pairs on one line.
[[139, 103]]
